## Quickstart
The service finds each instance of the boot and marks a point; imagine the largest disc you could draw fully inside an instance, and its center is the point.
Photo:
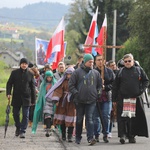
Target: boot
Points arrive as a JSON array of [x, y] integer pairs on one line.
[[48, 123], [105, 139], [70, 132], [47, 132], [70, 138], [63, 130], [64, 137]]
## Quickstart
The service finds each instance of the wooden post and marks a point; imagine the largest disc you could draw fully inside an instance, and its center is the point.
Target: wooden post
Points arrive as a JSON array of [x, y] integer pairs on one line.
[[103, 53]]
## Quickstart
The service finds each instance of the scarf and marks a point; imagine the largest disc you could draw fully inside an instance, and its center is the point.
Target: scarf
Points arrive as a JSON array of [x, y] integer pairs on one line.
[[129, 107], [49, 95]]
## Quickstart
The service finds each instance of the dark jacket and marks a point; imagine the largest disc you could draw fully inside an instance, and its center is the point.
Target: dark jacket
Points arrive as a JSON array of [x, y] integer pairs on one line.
[[85, 84], [130, 83], [109, 77], [22, 82]]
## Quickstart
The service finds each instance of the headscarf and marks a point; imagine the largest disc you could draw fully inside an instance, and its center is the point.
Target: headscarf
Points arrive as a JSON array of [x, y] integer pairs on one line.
[[59, 82]]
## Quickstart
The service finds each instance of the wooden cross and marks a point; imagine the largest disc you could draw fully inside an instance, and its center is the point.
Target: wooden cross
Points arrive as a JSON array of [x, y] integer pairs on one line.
[[104, 46]]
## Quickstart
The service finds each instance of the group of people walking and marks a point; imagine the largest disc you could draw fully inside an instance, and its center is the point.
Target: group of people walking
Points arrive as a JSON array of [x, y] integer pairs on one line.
[[91, 89]]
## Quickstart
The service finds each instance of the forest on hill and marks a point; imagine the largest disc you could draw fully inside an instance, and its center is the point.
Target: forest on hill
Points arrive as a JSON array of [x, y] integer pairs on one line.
[[42, 14]]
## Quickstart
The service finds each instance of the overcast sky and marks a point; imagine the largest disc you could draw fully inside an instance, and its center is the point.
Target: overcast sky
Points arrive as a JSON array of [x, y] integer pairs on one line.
[[22, 3]]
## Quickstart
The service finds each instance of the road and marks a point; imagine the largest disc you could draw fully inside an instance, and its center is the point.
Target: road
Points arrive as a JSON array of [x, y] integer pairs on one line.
[[38, 141]]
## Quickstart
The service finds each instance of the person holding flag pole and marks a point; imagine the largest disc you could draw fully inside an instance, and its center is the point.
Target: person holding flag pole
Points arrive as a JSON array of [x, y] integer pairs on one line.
[[107, 75], [104, 103]]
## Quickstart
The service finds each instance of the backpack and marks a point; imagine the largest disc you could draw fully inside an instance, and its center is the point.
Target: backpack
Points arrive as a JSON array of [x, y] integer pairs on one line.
[[137, 69]]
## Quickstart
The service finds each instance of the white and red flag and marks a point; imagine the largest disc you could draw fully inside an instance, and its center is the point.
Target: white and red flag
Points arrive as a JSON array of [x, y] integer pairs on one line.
[[102, 36], [56, 44], [90, 37]]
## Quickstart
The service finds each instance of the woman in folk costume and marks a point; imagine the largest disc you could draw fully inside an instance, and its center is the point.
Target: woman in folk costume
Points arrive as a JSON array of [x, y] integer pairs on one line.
[[46, 84], [65, 108]]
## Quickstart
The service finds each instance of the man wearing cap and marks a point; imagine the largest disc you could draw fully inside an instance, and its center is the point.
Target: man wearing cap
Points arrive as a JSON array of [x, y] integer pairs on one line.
[[85, 85], [22, 82]]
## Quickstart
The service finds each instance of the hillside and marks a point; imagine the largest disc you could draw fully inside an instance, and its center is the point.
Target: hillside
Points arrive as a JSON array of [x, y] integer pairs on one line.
[[43, 14]]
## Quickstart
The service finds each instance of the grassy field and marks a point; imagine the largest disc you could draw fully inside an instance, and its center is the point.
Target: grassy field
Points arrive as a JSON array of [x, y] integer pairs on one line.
[[4, 75], [9, 40], [3, 105]]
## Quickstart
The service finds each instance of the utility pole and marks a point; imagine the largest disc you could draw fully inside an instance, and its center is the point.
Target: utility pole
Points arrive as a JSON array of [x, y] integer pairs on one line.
[[11, 53], [114, 36]]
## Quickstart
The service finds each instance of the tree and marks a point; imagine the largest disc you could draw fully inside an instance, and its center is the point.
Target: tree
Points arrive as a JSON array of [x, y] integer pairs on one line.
[[76, 15], [139, 23], [70, 37], [105, 6], [130, 46], [75, 24]]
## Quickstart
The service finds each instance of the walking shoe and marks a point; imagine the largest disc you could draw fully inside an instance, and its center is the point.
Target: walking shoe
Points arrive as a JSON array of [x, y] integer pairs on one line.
[[70, 138], [47, 133], [78, 141], [17, 132], [122, 140], [22, 135], [132, 140], [91, 141], [109, 135], [97, 138], [105, 139], [64, 137]]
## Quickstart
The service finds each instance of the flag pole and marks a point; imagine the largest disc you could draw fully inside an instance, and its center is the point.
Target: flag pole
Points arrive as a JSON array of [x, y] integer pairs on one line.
[[114, 35], [35, 54], [104, 51]]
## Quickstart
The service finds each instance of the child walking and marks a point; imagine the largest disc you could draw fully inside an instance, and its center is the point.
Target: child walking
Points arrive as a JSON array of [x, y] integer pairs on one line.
[[65, 114], [46, 84]]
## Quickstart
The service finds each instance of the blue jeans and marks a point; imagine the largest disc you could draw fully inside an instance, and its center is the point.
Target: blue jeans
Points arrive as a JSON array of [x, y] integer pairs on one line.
[[88, 111], [106, 112], [25, 117]]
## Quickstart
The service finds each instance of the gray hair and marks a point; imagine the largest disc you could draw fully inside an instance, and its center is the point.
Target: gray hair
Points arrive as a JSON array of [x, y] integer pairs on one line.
[[127, 56]]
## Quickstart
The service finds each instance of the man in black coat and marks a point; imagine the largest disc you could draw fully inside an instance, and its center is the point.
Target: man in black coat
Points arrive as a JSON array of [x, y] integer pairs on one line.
[[128, 87], [22, 82]]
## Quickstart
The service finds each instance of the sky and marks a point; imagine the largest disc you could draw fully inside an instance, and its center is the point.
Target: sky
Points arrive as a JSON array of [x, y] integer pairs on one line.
[[22, 3]]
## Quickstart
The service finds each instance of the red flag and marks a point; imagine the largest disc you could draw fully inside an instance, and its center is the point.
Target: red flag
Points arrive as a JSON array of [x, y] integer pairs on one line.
[[102, 36], [90, 37], [56, 44]]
